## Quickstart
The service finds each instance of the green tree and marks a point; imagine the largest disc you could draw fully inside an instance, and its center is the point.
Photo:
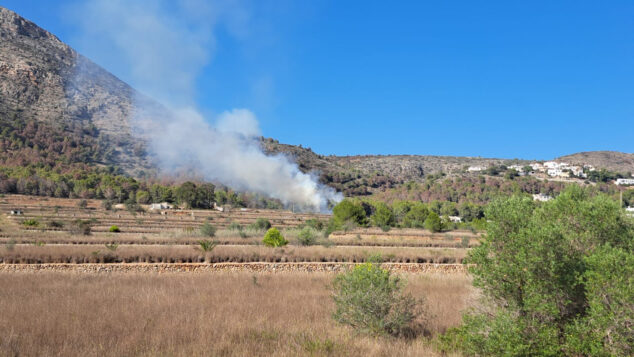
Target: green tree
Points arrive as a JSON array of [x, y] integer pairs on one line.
[[273, 238], [416, 216], [348, 211], [383, 216], [556, 278], [186, 194], [142, 197], [205, 195], [433, 222]]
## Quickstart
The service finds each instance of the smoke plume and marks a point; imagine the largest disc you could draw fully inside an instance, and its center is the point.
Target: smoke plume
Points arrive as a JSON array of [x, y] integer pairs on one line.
[[161, 47]]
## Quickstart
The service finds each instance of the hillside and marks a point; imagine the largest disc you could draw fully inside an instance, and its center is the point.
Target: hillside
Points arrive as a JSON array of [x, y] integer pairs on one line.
[[610, 160], [61, 111], [365, 174], [50, 94]]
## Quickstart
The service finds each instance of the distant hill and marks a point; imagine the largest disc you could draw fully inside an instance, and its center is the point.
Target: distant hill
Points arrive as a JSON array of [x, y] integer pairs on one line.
[[610, 160], [365, 174]]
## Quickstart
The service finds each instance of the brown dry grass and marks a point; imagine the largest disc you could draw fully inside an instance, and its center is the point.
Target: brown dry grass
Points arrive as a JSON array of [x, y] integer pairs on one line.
[[30, 254], [222, 314]]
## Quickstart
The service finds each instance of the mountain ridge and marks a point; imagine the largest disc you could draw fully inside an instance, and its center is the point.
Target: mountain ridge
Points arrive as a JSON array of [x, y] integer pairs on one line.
[[62, 107]]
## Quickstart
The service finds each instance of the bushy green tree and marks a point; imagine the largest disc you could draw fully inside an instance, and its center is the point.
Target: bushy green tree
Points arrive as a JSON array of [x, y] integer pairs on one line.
[[383, 216], [557, 279], [348, 211], [416, 216], [433, 222], [187, 195], [371, 300], [273, 238]]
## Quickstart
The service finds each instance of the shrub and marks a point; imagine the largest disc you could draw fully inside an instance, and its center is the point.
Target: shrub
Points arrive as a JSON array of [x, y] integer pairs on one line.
[[371, 300], [82, 204], [31, 222], [207, 230], [83, 227], [273, 238], [262, 224], [114, 229], [106, 204], [315, 224], [55, 224], [207, 245], [234, 226], [307, 236], [10, 245]]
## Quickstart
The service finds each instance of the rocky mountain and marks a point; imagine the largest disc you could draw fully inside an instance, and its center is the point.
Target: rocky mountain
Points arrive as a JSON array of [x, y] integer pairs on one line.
[[45, 82], [59, 108], [610, 160]]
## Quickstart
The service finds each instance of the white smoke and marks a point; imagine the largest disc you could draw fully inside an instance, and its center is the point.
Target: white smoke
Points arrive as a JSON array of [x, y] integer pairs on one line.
[[161, 47]]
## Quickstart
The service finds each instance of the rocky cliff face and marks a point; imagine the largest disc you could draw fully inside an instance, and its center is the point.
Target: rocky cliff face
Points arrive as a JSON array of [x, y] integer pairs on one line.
[[43, 79]]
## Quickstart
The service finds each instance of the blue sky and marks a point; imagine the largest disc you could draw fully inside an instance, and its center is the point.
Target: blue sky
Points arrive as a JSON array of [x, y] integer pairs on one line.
[[513, 79]]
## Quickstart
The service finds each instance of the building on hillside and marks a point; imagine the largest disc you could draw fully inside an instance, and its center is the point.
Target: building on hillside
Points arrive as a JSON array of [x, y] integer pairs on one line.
[[455, 219], [551, 165], [16, 212], [160, 206], [541, 197], [625, 181], [558, 173], [476, 168], [537, 166], [630, 211]]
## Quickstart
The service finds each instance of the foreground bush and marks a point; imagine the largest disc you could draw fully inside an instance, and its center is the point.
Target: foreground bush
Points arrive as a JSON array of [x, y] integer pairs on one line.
[[273, 238], [371, 300], [557, 277], [114, 229]]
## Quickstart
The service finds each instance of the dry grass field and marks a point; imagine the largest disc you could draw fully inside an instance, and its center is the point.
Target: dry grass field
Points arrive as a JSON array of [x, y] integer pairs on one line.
[[218, 313], [221, 314]]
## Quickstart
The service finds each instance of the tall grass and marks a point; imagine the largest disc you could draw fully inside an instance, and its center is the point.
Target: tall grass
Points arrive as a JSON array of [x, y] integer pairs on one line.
[[222, 314]]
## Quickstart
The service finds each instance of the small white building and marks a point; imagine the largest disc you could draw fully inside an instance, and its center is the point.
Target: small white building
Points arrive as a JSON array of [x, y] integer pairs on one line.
[[541, 197], [624, 181], [160, 206], [455, 219], [558, 173]]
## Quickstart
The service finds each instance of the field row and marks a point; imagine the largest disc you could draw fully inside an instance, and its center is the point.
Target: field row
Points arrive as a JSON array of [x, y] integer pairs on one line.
[[31, 254]]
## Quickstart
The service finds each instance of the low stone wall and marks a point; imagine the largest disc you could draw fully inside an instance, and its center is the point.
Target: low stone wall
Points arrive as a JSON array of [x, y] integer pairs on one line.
[[220, 267]]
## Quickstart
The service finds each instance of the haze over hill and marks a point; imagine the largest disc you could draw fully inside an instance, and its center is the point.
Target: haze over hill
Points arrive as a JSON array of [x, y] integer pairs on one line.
[[75, 106]]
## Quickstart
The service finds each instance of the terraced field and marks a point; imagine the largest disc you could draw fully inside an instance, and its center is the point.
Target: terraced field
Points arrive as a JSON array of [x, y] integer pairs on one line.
[[39, 230]]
